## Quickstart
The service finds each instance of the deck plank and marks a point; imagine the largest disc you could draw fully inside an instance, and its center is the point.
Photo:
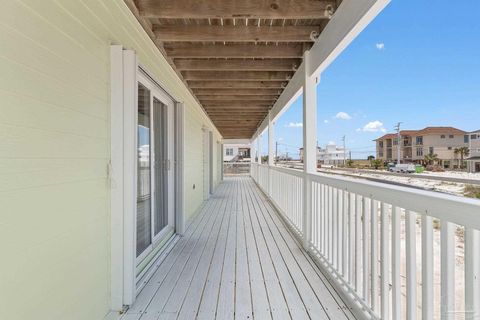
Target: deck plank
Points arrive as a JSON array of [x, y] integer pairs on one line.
[[208, 304], [290, 248], [295, 303], [237, 260], [226, 295], [243, 295], [260, 303], [169, 283], [193, 297]]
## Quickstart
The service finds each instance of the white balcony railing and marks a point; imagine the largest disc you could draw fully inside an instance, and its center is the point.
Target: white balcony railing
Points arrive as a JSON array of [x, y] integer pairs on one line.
[[394, 252]]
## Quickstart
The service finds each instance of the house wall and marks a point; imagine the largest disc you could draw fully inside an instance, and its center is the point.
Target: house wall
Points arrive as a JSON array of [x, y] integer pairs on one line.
[[54, 124], [441, 146], [474, 145]]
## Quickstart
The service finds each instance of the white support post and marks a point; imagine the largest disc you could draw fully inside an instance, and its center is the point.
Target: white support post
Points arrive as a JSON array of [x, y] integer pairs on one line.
[[252, 150], [222, 150], [271, 140], [309, 146], [271, 151], [259, 149]]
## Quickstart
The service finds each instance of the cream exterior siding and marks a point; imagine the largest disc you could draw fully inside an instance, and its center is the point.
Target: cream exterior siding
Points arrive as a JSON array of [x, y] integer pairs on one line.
[[55, 194]]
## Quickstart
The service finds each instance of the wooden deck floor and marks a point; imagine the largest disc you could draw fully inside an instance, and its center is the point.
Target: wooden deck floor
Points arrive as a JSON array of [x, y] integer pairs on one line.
[[237, 260]]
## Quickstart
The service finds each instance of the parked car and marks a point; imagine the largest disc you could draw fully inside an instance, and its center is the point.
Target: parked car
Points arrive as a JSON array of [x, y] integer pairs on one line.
[[403, 168]]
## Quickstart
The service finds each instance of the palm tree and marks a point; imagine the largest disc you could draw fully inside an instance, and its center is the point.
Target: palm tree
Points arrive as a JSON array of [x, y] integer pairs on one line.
[[462, 151], [431, 158]]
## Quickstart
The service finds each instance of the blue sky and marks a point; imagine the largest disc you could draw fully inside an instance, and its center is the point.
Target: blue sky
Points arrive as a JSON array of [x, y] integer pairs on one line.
[[418, 63]]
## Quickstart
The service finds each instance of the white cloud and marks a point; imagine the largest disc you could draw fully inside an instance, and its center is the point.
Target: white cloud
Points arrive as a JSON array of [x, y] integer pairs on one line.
[[343, 116], [280, 139], [380, 46], [294, 125], [326, 121], [331, 142], [373, 126]]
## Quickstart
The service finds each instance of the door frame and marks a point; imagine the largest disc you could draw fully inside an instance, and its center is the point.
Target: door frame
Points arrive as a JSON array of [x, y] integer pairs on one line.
[[162, 97], [122, 172]]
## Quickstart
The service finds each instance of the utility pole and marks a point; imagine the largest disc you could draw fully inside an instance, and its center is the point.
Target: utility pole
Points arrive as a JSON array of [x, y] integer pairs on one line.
[[397, 127], [344, 151]]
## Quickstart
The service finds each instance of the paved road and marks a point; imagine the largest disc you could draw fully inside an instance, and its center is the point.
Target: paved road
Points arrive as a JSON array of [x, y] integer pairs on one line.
[[408, 175]]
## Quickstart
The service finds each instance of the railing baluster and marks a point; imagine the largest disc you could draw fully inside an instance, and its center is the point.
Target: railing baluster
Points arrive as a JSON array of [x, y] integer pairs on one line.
[[427, 268], [365, 260], [324, 219], [330, 222], [385, 261], [396, 283], [341, 231], [351, 242], [411, 246], [358, 246], [335, 228], [345, 215], [374, 253], [448, 270], [472, 273]]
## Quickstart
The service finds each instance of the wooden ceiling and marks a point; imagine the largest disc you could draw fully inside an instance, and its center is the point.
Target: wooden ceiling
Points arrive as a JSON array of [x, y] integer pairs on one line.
[[235, 56]]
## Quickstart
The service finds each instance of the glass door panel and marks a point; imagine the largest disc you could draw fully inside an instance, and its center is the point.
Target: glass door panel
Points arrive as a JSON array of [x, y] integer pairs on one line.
[[155, 216], [144, 211], [161, 165]]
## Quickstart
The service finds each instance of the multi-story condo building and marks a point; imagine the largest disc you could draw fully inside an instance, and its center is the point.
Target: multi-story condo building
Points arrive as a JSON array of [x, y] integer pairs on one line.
[[416, 144], [473, 159]]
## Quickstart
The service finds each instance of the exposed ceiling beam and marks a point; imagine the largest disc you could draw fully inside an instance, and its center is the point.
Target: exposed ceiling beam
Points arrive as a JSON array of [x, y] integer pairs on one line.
[[238, 75], [237, 84], [236, 103], [218, 33], [253, 115], [235, 98], [252, 9], [249, 123], [238, 64], [256, 119], [195, 50], [228, 91]]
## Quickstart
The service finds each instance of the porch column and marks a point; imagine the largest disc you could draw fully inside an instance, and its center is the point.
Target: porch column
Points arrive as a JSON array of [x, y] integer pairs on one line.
[[222, 150], [271, 151], [271, 140], [259, 148], [309, 146], [252, 150]]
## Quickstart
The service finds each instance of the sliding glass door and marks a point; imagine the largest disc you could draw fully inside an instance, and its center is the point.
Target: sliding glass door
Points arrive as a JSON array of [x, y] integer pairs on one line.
[[144, 171], [155, 179]]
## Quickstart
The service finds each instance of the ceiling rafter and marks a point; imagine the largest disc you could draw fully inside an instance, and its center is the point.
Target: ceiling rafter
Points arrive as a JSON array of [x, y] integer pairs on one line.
[[204, 33], [233, 9]]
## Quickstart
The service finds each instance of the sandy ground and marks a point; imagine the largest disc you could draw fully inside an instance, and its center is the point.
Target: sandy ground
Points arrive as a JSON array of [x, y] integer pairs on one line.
[[454, 174], [434, 185]]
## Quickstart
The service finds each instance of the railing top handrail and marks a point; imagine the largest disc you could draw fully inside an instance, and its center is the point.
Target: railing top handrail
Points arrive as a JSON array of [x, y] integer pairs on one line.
[[452, 208]]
